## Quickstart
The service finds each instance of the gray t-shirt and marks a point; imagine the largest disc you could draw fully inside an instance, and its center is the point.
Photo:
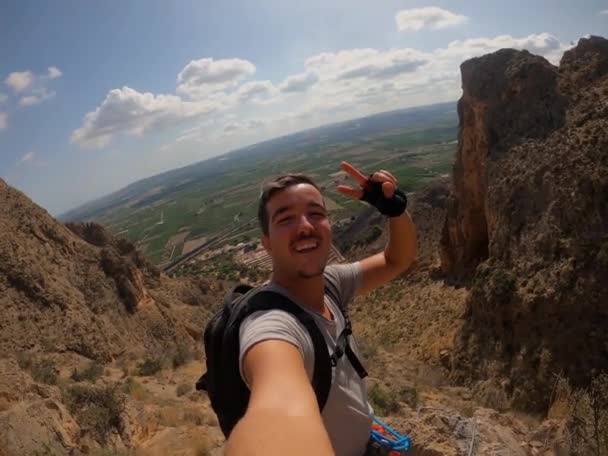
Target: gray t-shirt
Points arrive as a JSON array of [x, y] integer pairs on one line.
[[347, 414]]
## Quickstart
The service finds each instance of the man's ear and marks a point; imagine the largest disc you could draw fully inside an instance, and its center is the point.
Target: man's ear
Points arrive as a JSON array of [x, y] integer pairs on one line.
[[266, 243]]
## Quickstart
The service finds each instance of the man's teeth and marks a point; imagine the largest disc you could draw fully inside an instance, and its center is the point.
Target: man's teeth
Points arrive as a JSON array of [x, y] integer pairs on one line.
[[306, 246]]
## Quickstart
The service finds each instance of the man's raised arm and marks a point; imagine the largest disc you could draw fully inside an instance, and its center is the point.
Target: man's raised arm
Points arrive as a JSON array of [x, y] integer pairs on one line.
[[400, 251]]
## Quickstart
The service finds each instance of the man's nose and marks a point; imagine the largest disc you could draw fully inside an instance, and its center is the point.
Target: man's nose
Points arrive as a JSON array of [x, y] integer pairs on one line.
[[305, 225]]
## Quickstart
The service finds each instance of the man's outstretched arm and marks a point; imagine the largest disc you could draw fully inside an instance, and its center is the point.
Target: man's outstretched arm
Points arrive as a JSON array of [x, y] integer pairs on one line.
[[400, 251], [282, 416], [397, 257]]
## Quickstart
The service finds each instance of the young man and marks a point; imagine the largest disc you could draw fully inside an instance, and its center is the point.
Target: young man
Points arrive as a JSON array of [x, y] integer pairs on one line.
[[276, 351]]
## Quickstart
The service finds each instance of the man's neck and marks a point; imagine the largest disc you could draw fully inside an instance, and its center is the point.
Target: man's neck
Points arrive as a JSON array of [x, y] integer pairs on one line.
[[308, 291]]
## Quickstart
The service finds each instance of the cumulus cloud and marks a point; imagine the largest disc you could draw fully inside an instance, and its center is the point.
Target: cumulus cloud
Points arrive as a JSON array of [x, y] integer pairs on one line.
[[3, 121], [299, 82], [543, 44], [54, 72], [38, 97], [3, 98], [129, 111], [431, 17], [232, 126], [366, 63], [251, 124], [32, 88], [332, 86], [19, 80], [204, 76], [255, 90]]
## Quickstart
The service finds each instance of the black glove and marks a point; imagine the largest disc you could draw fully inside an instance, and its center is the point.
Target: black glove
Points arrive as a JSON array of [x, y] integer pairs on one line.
[[373, 194]]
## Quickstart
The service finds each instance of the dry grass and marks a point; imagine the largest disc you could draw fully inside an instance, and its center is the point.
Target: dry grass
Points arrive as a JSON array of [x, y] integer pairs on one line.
[[586, 413], [175, 416], [135, 389]]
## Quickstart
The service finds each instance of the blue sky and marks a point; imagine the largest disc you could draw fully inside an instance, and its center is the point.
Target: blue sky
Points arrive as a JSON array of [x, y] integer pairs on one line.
[[95, 95]]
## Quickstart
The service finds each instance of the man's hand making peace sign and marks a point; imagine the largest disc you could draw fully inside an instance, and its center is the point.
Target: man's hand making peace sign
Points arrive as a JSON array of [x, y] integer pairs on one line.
[[381, 190]]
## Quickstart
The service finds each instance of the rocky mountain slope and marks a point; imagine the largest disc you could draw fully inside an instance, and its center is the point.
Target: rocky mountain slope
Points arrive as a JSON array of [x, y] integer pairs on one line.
[[528, 221], [70, 296]]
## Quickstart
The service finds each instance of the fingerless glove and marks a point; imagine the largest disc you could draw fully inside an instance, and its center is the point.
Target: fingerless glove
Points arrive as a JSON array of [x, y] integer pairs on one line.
[[373, 194]]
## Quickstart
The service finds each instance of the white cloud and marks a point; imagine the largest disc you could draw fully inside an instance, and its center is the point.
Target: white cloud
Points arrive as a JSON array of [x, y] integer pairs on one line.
[[344, 84], [28, 157], [204, 76], [366, 63], [54, 72], [603, 12], [3, 98], [299, 82], [39, 97], [129, 111], [255, 123], [19, 80], [255, 90], [232, 126], [543, 44], [32, 88], [430, 17], [3, 121]]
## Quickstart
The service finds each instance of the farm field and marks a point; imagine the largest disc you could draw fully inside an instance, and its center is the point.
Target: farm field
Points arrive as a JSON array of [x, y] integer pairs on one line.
[[190, 206]]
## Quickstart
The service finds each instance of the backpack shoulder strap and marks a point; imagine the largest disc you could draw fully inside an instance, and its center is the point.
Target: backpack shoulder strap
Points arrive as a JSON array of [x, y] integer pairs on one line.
[[322, 372], [343, 346]]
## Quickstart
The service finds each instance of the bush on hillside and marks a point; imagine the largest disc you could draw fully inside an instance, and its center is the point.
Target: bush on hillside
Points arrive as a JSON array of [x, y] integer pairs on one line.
[[97, 409], [91, 373]]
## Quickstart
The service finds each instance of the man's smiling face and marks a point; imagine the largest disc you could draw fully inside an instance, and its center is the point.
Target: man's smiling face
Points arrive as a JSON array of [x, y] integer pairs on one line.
[[299, 232]]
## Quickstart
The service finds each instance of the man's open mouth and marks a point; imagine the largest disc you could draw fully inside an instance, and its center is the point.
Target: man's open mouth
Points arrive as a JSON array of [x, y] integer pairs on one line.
[[306, 246]]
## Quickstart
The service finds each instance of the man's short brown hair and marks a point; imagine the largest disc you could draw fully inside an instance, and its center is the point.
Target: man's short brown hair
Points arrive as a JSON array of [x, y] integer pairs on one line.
[[275, 185]]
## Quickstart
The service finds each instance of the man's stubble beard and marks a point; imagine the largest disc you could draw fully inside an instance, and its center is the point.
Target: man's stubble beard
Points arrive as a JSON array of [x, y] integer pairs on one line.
[[306, 275]]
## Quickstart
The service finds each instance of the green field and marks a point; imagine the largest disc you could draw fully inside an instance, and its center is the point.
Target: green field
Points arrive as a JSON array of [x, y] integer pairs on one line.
[[223, 194]]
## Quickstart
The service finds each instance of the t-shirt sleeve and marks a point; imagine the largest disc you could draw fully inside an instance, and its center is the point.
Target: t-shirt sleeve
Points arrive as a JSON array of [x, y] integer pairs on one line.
[[275, 325], [348, 278]]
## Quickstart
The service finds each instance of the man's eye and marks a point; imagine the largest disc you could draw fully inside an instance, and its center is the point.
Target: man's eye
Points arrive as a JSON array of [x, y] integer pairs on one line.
[[319, 214], [285, 220]]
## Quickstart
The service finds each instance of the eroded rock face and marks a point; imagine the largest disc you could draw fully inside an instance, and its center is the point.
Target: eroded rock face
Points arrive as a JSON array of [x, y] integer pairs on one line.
[[508, 97], [529, 216]]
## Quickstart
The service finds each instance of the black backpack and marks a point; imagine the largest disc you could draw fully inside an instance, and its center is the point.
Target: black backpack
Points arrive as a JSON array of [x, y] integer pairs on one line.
[[228, 393]]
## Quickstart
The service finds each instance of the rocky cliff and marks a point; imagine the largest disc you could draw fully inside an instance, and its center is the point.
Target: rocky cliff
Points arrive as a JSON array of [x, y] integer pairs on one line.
[[69, 296], [527, 220]]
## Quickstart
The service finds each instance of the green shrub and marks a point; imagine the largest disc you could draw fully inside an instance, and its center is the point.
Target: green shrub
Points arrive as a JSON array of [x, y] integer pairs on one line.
[[135, 389], [97, 409], [25, 360], [182, 355], [409, 395], [44, 372], [91, 373], [150, 366], [382, 401]]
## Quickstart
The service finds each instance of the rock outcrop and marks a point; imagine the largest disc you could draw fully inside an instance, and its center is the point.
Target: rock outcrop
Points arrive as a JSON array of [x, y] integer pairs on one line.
[[528, 219]]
